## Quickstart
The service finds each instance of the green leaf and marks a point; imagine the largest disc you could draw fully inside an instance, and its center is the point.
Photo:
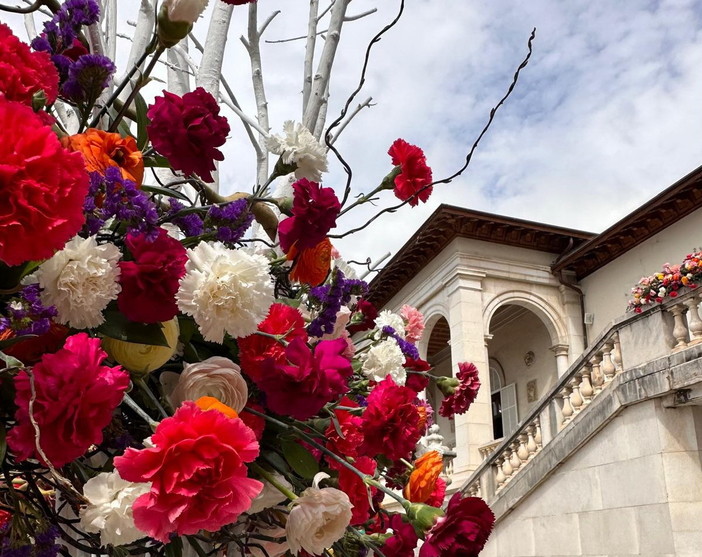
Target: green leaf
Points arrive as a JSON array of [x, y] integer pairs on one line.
[[157, 161], [175, 548], [300, 459], [10, 361], [165, 191], [3, 443], [117, 326], [141, 121]]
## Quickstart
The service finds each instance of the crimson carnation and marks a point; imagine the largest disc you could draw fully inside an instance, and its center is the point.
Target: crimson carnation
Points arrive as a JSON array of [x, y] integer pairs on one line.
[[462, 532], [314, 214], [150, 282], [282, 320], [197, 472], [414, 176], [465, 393], [42, 187], [368, 315], [348, 443], [23, 73], [187, 131], [415, 381], [436, 499], [352, 484], [403, 541], [75, 398], [302, 387], [391, 421]]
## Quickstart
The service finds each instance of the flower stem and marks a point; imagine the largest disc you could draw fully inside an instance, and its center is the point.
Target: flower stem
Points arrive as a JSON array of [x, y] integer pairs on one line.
[[270, 478], [143, 415], [144, 387]]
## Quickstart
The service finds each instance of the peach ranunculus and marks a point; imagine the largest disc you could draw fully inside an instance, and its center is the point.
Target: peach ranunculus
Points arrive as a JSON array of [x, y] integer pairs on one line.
[[311, 265], [422, 481], [102, 149]]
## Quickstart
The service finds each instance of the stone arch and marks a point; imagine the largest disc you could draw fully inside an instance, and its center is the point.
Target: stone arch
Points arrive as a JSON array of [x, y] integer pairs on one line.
[[432, 315]]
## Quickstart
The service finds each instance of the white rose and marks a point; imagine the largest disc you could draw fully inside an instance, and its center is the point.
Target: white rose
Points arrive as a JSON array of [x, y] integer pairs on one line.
[[216, 377], [383, 359], [185, 10], [319, 518], [110, 509]]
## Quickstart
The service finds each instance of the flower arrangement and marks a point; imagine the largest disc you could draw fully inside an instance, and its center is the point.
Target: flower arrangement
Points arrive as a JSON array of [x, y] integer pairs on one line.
[[666, 283], [171, 382]]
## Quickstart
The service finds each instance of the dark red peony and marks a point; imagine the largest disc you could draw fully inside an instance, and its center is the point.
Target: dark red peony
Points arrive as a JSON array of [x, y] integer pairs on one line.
[[308, 380], [23, 73], [403, 540], [75, 398], [414, 176], [391, 421], [197, 470], [42, 187], [462, 532], [150, 281], [465, 393], [282, 320], [314, 214], [187, 131]]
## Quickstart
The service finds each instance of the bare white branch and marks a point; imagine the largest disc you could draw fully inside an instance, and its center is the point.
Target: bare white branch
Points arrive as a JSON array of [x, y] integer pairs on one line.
[[111, 29], [309, 53], [364, 104], [325, 11], [359, 16], [215, 43], [29, 25], [180, 68], [142, 36]]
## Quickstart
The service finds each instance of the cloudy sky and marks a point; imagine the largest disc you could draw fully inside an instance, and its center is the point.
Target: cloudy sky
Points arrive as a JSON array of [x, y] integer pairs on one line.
[[607, 114]]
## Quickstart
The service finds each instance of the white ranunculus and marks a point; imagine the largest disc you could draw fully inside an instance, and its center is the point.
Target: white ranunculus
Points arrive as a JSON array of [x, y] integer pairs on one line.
[[300, 147], [80, 280], [225, 290], [387, 318], [217, 377], [383, 359], [319, 517], [187, 11], [110, 509], [270, 496]]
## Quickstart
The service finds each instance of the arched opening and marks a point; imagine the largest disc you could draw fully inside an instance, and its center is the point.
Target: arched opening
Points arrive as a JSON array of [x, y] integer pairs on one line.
[[522, 365], [439, 356]]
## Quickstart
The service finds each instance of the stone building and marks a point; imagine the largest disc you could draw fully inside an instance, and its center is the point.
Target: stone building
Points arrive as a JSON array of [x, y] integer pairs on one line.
[[585, 438]]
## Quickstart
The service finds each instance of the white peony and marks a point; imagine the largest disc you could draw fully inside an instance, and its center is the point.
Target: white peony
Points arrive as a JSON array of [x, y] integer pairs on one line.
[[319, 517], [383, 359], [80, 280], [387, 318], [110, 509], [270, 496], [225, 290], [300, 147], [187, 11], [216, 377]]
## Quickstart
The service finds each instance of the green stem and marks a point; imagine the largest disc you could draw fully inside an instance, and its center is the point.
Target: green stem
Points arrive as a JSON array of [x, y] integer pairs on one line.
[[270, 478], [144, 387], [143, 415], [387, 183]]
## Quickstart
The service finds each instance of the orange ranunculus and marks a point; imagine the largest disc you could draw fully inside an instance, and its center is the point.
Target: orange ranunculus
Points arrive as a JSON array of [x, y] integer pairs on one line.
[[101, 150], [211, 403], [311, 265], [423, 478]]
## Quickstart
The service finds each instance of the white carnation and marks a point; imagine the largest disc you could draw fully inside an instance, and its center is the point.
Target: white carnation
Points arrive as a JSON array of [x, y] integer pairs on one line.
[[300, 147], [225, 290], [187, 11], [270, 496], [387, 318], [383, 359], [80, 280], [110, 509], [319, 517], [216, 377]]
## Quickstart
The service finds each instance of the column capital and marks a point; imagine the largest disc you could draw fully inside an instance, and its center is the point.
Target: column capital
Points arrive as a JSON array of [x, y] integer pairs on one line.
[[560, 349], [464, 279]]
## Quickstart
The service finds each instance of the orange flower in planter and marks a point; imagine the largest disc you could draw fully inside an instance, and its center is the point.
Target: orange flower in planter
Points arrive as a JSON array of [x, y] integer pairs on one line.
[[101, 150], [423, 478]]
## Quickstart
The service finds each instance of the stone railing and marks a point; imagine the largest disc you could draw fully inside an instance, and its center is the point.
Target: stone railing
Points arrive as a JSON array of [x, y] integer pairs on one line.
[[630, 341]]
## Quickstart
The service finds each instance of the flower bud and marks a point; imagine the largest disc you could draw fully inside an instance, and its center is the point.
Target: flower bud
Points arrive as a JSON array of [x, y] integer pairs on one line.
[[447, 385], [175, 20], [422, 516]]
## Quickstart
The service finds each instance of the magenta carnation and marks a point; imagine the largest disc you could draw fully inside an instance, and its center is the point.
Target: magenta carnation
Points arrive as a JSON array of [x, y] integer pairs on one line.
[[187, 131], [75, 398], [465, 393]]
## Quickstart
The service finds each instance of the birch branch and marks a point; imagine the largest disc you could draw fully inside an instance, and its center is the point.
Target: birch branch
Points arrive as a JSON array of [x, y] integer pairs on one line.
[[213, 53], [326, 10], [342, 126], [323, 32], [146, 21], [309, 53], [322, 118], [29, 25], [111, 29], [321, 79], [178, 77]]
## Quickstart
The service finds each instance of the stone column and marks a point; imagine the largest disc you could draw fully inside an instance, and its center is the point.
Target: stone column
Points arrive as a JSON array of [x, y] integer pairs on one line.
[[574, 318], [464, 296], [562, 361]]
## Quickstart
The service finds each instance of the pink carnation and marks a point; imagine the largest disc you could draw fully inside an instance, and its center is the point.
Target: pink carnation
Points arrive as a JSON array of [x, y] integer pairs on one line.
[[465, 393], [197, 472], [414, 323], [75, 398]]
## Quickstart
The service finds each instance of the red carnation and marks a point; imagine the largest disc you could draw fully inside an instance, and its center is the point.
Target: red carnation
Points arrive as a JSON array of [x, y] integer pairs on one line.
[[390, 421], [197, 472], [348, 443], [42, 187], [308, 381], [24, 72], [75, 398], [187, 131], [282, 320], [436, 499], [415, 175], [30, 350], [150, 282], [465, 393], [367, 317], [314, 214], [462, 532], [415, 381], [352, 484], [403, 541]]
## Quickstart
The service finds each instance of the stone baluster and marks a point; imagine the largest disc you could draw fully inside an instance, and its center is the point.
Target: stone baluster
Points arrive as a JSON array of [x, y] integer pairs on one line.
[[680, 326], [523, 451], [693, 319], [537, 434], [608, 369], [532, 447], [566, 408], [617, 353], [514, 460], [500, 477], [576, 400], [586, 390], [474, 489], [597, 377], [506, 464]]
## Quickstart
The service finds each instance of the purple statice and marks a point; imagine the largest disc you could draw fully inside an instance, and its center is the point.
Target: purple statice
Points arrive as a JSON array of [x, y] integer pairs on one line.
[[25, 314], [87, 78], [408, 349], [331, 297], [64, 27], [94, 217], [191, 223], [45, 542], [229, 222]]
